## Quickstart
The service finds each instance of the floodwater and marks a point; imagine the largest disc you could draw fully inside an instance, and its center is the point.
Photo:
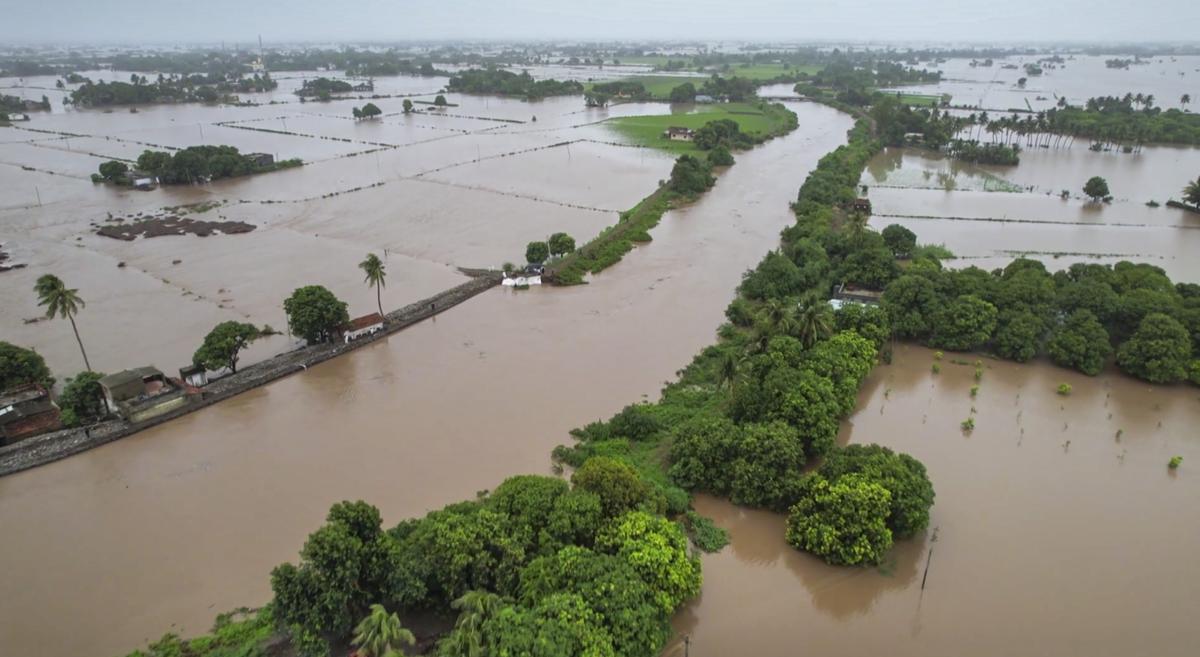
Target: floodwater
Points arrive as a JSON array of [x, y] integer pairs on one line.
[[468, 186], [972, 210], [1059, 528], [161, 531], [1079, 78]]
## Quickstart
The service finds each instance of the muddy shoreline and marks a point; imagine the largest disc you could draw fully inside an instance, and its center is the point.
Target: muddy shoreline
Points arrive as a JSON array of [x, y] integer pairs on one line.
[[50, 447]]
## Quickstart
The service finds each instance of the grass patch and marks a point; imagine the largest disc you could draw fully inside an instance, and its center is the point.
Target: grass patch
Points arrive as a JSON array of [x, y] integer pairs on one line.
[[923, 100], [760, 121], [704, 534], [613, 242], [765, 71]]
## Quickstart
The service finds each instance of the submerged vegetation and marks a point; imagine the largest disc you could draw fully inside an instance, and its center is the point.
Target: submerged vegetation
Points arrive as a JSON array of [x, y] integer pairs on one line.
[[506, 83]]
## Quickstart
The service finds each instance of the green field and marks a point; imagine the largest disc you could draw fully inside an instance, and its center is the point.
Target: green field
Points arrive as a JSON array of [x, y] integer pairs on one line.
[[648, 130], [659, 86], [764, 71], [922, 100]]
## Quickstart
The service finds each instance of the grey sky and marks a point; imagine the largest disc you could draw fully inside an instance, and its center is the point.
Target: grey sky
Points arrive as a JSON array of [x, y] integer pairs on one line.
[[177, 21]]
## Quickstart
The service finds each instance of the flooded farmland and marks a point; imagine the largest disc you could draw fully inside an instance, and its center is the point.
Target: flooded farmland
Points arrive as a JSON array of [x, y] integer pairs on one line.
[[187, 519], [1054, 534], [1057, 527]]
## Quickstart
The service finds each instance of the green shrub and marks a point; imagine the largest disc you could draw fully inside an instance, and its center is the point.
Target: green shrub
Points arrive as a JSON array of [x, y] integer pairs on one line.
[[1175, 462], [1064, 389]]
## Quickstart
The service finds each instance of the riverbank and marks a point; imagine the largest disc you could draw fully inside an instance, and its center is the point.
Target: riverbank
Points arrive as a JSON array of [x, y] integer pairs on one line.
[[50, 447]]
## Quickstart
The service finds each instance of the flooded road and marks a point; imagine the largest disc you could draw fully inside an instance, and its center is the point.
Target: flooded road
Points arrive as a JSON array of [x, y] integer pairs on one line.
[[1054, 535], [165, 529]]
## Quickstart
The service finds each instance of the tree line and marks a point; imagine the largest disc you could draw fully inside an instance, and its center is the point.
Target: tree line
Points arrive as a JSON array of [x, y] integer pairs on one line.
[[506, 83], [168, 89], [191, 165]]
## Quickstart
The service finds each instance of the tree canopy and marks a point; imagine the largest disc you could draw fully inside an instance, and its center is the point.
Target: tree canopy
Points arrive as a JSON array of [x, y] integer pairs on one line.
[[223, 344], [20, 366], [314, 313]]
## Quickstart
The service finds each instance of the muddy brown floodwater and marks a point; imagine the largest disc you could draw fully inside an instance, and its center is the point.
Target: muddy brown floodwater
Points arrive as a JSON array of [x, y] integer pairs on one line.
[[161, 531], [1055, 536]]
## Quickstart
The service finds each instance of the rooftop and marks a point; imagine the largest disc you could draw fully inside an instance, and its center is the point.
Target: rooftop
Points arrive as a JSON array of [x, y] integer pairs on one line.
[[129, 376], [359, 323]]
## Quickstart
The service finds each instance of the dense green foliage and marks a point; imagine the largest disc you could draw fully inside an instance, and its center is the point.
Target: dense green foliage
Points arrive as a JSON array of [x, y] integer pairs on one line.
[[1096, 188], [537, 252], [691, 176], [903, 476], [843, 521], [1159, 351], [208, 88], [203, 163], [534, 568], [1078, 316], [222, 345], [82, 399], [314, 313], [560, 244], [507, 83], [241, 633], [19, 366]]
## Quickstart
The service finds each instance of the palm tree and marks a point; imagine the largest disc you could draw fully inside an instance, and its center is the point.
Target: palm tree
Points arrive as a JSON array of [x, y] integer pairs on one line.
[[813, 321], [1191, 193], [775, 313], [1185, 99], [380, 634], [474, 609], [61, 301], [727, 374], [376, 277]]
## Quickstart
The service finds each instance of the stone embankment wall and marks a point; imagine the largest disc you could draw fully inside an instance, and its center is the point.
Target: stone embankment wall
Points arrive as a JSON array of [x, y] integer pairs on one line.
[[49, 447]]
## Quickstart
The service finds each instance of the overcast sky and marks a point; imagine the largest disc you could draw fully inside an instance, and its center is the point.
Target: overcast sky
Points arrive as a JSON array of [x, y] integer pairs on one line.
[[177, 21]]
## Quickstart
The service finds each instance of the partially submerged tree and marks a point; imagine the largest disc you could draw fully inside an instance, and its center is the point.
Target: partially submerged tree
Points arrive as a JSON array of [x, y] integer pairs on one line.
[[1096, 188], [537, 252], [223, 344]]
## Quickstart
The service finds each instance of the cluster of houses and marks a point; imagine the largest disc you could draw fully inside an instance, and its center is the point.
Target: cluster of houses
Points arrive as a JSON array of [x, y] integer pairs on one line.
[[134, 395]]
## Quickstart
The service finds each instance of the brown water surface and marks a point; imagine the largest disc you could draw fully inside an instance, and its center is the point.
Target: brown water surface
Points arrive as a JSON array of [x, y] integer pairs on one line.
[[165, 529], [1054, 535]]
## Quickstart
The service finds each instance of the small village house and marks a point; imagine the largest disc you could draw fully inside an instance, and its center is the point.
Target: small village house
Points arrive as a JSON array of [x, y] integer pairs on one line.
[[360, 327], [27, 411], [861, 205], [194, 375], [705, 99], [141, 179], [676, 133], [848, 294], [143, 393], [261, 159]]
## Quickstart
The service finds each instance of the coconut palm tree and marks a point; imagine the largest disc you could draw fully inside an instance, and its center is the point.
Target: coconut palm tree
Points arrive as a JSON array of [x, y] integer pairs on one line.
[[376, 277], [474, 609], [61, 301], [814, 321], [727, 374], [380, 634], [1185, 99], [1191, 193]]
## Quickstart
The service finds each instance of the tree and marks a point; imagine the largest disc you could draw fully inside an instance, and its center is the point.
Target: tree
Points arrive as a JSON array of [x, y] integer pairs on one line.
[[1159, 351], [617, 484], [900, 240], [903, 476], [223, 344], [1096, 188], [690, 176], [356, 112], [813, 321], [1019, 334], [408, 106], [440, 101], [1080, 343], [658, 551], [561, 244], [843, 522], [684, 93], [380, 634], [82, 399], [475, 608], [376, 273], [112, 170], [1191, 193], [911, 303], [61, 301], [720, 156], [370, 110], [20, 366], [537, 252], [964, 324], [314, 313]]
